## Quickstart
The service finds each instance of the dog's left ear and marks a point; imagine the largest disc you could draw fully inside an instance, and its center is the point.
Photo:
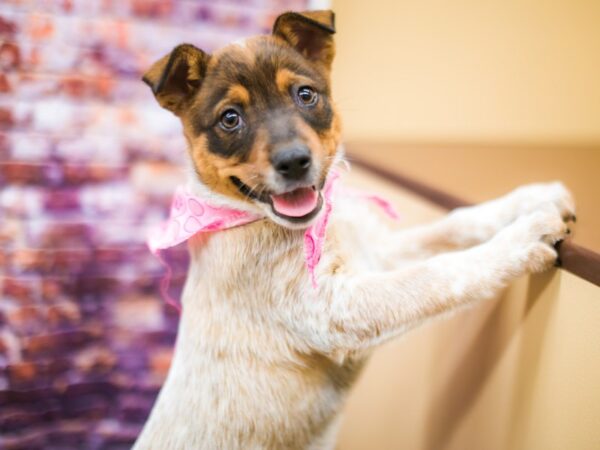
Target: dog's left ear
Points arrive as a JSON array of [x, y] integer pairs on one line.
[[310, 32]]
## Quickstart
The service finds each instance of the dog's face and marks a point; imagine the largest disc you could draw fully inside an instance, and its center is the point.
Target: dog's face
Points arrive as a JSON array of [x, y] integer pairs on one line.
[[258, 116]]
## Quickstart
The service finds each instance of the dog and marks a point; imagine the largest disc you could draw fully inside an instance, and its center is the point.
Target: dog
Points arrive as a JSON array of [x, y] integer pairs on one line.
[[264, 358]]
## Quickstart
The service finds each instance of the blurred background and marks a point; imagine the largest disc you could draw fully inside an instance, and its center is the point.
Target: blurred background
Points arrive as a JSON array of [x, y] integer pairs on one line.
[[476, 97], [471, 97]]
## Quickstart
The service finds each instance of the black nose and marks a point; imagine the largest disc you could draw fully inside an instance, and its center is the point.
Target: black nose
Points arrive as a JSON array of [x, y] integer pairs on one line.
[[292, 163]]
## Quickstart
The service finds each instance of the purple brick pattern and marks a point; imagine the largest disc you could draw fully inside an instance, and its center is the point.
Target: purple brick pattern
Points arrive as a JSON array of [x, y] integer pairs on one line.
[[88, 162]]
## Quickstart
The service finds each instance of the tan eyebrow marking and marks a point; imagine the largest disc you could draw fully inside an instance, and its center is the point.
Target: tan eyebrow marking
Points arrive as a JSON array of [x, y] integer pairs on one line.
[[284, 78], [239, 94], [236, 94]]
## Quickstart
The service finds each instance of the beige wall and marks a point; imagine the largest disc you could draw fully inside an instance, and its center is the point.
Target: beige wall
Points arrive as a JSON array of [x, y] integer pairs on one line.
[[521, 372], [504, 70], [518, 373], [482, 172]]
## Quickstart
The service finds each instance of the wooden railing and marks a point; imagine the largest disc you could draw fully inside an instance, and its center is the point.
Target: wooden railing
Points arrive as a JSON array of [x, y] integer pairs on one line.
[[573, 258]]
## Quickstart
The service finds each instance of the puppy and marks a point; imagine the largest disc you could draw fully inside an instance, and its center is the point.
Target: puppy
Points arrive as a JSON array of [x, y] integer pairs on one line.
[[264, 358]]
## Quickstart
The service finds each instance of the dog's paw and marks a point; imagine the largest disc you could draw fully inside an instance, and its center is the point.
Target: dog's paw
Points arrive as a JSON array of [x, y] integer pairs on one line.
[[533, 197], [529, 244]]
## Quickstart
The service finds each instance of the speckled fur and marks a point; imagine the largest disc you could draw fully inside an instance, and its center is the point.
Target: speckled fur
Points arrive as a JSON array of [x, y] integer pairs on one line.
[[265, 361]]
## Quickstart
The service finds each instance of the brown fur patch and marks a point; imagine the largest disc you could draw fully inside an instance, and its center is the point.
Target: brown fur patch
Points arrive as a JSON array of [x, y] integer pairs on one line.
[[259, 156], [212, 169], [215, 172], [323, 147]]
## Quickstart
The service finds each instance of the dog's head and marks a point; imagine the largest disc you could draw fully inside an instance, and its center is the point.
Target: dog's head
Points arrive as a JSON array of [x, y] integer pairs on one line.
[[258, 116]]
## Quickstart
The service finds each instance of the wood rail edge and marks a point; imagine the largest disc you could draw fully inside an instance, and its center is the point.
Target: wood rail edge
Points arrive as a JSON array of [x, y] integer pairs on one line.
[[576, 259]]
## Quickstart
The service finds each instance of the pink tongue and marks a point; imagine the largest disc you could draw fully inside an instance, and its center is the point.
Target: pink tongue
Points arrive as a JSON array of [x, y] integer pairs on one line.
[[297, 203]]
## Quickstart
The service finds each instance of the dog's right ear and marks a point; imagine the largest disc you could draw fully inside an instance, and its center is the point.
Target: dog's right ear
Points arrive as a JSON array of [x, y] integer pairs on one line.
[[310, 33], [175, 78]]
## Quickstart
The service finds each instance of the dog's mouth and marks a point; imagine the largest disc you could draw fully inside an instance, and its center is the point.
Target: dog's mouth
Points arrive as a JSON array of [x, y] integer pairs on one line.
[[298, 205]]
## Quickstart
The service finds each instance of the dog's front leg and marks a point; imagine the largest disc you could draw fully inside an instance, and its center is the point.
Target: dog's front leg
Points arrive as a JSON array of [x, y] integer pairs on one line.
[[367, 309], [468, 226]]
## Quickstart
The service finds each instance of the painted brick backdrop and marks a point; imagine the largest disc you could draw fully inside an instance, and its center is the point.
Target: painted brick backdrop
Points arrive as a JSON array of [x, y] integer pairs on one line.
[[87, 162]]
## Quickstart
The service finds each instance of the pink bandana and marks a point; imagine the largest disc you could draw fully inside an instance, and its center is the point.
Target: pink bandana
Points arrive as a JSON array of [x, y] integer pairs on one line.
[[190, 215]]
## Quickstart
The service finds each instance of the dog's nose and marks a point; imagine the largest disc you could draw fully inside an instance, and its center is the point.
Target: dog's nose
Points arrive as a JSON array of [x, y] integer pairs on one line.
[[292, 163]]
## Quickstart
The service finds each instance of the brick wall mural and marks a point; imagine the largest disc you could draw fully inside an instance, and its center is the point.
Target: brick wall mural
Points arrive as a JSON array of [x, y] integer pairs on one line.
[[88, 162]]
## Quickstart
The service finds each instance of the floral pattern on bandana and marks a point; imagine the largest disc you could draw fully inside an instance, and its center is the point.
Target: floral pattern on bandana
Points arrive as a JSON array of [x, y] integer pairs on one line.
[[190, 215]]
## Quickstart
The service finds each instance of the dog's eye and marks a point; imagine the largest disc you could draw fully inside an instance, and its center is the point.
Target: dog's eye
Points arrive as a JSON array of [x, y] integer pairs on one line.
[[307, 96], [230, 120]]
